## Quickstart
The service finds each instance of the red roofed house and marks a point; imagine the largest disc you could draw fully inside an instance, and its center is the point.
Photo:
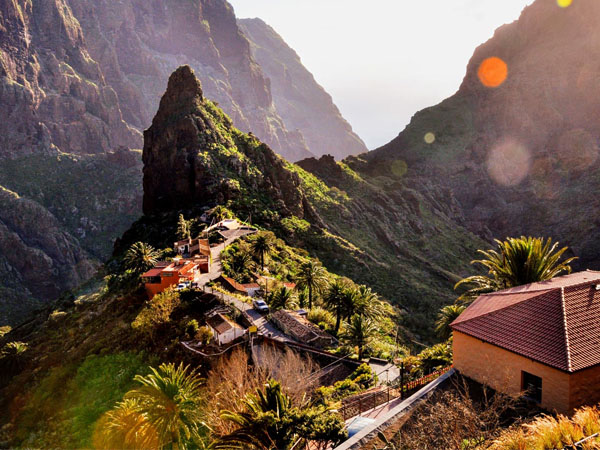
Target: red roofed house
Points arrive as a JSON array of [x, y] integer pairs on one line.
[[224, 329], [543, 338], [163, 276]]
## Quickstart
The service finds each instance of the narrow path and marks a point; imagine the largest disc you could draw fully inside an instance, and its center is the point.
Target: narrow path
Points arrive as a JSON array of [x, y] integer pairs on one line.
[[216, 270]]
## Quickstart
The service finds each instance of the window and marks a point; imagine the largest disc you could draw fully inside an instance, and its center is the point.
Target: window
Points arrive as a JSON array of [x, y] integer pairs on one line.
[[532, 386]]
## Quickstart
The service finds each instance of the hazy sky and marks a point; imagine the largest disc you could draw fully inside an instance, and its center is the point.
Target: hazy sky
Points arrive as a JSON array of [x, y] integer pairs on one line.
[[384, 60]]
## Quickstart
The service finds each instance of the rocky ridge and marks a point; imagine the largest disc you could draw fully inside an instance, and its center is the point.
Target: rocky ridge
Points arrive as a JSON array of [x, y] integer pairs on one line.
[[521, 158], [302, 102]]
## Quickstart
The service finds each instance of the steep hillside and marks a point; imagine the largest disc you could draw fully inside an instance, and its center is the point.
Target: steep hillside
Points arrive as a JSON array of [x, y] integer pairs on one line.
[[302, 102], [521, 158], [404, 244], [79, 81]]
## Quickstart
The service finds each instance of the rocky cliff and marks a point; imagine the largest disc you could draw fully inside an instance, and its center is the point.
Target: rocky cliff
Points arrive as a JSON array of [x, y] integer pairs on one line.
[[79, 81], [406, 245], [521, 158], [302, 102]]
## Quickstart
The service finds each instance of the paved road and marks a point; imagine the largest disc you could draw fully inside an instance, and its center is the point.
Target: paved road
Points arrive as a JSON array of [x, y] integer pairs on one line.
[[216, 269]]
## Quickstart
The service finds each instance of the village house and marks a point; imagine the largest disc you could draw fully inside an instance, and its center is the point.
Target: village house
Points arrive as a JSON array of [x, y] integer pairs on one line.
[[196, 249], [224, 329], [300, 328], [165, 275], [542, 339]]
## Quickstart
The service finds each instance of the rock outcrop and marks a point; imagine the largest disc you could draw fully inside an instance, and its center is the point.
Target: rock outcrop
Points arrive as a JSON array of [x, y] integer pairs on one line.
[[193, 155], [302, 103], [521, 158]]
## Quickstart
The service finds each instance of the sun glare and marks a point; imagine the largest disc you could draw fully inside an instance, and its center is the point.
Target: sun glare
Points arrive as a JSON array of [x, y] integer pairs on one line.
[[492, 72], [564, 3], [508, 162]]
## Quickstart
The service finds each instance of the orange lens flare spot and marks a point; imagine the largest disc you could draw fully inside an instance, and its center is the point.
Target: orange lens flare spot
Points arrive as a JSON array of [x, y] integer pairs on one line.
[[492, 72], [564, 3]]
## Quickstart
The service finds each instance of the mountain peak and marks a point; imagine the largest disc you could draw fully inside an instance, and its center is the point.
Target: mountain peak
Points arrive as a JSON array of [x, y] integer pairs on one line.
[[183, 94]]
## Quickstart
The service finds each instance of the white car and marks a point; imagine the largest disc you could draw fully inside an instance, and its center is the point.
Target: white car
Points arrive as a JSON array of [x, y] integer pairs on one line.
[[182, 286], [260, 306]]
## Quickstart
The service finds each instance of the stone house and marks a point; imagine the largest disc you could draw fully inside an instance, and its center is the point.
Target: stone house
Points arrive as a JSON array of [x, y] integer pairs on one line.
[[224, 329], [542, 339]]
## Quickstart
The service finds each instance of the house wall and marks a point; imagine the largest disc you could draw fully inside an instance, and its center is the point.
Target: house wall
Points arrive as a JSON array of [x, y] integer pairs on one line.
[[228, 336], [165, 282], [502, 370], [585, 387]]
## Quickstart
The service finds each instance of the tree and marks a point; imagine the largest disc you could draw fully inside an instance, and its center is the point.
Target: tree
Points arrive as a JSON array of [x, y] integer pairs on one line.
[[359, 332], [170, 399], [518, 261], [313, 277], [183, 228], [125, 427], [261, 247], [239, 262], [265, 424], [141, 257], [367, 303], [282, 298], [270, 421], [446, 316], [335, 299]]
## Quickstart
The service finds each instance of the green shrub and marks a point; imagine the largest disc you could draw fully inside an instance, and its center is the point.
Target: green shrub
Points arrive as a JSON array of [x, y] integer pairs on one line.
[[191, 328], [157, 312]]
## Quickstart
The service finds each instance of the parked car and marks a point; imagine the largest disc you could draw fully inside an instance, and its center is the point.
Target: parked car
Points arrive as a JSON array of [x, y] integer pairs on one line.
[[184, 285], [260, 306]]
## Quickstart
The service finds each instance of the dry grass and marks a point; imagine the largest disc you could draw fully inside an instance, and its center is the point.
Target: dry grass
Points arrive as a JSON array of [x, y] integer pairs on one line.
[[547, 432], [233, 377]]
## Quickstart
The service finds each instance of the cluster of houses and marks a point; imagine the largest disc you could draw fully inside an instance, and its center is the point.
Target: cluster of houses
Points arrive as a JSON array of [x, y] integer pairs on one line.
[[193, 259]]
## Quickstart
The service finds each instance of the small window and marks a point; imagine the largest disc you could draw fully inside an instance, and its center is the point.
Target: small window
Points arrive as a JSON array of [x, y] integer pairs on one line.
[[532, 386]]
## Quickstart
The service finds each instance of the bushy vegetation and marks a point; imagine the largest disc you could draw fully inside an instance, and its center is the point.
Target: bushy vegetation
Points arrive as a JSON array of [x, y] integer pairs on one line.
[[360, 380], [71, 398], [548, 433]]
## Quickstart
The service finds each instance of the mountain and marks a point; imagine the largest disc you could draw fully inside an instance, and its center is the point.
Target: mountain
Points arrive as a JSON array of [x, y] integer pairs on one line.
[[521, 158], [79, 82], [302, 102], [405, 245]]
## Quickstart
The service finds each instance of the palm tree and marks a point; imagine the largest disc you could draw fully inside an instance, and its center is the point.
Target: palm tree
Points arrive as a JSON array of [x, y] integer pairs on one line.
[[261, 247], [518, 261], [366, 303], [282, 298], [265, 424], [240, 262], [359, 332], [446, 316], [126, 427], [170, 399], [141, 257], [336, 298], [313, 277]]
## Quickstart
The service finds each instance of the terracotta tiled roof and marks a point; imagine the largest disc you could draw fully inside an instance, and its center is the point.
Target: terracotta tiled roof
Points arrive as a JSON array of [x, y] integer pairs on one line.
[[234, 284], [153, 272], [555, 322], [220, 323]]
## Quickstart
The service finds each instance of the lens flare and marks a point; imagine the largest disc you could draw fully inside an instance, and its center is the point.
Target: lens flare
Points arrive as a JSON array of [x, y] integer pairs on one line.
[[564, 3], [545, 178], [508, 163], [429, 138], [399, 168], [492, 72]]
